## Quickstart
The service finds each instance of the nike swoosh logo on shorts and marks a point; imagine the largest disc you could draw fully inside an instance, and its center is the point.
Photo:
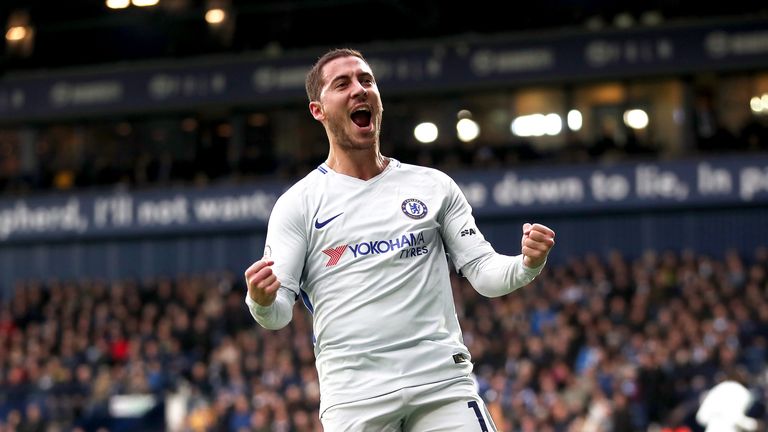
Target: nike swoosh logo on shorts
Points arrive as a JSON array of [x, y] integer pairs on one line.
[[319, 224]]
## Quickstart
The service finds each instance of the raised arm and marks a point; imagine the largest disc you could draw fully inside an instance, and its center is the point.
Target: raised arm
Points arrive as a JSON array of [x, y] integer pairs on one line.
[[494, 274], [490, 273], [274, 281]]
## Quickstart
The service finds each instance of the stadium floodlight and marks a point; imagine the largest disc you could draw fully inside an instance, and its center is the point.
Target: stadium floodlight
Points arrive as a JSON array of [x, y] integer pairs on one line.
[[575, 120], [759, 104], [19, 34], [16, 33], [215, 16], [218, 15], [144, 3], [425, 132], [118, 4], [467, 129], [537, 125], [636, 118], [553, 124]]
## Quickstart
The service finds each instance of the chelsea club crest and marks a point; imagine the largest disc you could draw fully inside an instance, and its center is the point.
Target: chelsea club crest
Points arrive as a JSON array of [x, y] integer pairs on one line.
[[413, 208]]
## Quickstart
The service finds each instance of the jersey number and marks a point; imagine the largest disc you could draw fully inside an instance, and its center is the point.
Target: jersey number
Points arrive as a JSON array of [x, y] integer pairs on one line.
[[480, 419]]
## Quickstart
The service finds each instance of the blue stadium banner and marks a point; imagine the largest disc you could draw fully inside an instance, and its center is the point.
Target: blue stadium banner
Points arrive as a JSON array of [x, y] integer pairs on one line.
[[711, 182], [536, 191], [171, 211], [443, 65]]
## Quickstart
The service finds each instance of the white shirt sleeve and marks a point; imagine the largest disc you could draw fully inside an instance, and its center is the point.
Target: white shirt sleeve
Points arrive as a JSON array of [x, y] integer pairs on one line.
[[286, 245], [494, 275], [275, 316], [724, 406], [462, 239], [490, 273], [746, 423]]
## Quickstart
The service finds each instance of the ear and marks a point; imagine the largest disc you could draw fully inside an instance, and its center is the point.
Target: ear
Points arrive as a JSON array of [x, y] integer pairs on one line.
[[316, 108]]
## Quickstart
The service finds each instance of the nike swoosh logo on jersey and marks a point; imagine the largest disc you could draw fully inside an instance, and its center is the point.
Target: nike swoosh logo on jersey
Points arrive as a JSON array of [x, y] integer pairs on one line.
[[319, 224]]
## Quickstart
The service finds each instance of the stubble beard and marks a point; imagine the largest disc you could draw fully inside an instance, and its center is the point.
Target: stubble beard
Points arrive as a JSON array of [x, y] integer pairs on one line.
[[347, 142]]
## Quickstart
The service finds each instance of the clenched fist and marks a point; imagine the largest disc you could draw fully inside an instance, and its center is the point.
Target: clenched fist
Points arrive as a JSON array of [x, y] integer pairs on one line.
[[536, 243], [261, 282]]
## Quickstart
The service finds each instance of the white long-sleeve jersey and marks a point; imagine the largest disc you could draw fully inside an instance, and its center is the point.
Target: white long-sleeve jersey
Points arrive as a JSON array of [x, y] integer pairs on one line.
[[368, 258], [724, 409]]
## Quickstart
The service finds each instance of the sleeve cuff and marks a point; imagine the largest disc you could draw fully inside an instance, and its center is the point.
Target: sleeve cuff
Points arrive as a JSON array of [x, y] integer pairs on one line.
[[533, 271], [255, 307]]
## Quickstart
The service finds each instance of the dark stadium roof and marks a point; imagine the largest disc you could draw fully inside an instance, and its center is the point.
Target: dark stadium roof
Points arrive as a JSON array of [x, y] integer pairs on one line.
[[81, 32]]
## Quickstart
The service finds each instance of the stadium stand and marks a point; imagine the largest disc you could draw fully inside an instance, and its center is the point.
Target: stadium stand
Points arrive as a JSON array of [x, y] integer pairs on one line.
[[597, 344], [125, 223]]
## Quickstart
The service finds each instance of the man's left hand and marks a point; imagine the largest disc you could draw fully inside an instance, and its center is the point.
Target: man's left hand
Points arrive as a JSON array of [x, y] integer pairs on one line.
[[536, 243]]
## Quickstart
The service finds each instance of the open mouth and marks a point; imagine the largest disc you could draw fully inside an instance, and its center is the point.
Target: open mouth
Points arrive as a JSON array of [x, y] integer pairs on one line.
[[361, 117]]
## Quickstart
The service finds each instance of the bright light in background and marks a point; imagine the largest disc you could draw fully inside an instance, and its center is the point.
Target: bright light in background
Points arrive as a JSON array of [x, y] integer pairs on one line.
[[218, 15], [462, 114], [759, 104], [528, 125], [537, 125], [636, 119], [553, 124], [425, 132], [467, 129], [118, 4], [215, 16], [144, 3], [15, 33], [19, 34], [574, 120]]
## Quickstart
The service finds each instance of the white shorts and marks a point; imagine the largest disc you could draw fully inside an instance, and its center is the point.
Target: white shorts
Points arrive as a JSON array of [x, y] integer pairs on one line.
[[450, 406]]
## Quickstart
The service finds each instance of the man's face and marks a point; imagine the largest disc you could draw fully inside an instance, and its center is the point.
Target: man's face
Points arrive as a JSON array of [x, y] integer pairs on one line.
[[350, 104]]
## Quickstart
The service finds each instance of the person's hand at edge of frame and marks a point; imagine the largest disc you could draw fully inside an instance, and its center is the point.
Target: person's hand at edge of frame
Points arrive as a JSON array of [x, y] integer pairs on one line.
[[261, 282], [536, 243]]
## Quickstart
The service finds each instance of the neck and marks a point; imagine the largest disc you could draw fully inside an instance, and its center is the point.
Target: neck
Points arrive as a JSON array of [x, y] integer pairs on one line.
[[363, 164]]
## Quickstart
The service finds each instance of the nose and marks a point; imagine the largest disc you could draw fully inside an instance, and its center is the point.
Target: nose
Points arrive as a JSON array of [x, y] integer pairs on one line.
[[360, 92]]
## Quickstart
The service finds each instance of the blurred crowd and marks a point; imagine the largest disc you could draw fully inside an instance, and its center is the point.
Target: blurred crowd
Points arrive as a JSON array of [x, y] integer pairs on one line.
[[193, 152], [600, 344]]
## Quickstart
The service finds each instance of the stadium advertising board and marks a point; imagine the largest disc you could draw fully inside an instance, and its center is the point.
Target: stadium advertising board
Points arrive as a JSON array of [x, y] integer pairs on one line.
[[536, 191]]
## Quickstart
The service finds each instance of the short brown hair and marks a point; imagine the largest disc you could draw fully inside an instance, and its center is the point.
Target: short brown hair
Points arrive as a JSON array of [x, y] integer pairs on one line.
[[314, 81]]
